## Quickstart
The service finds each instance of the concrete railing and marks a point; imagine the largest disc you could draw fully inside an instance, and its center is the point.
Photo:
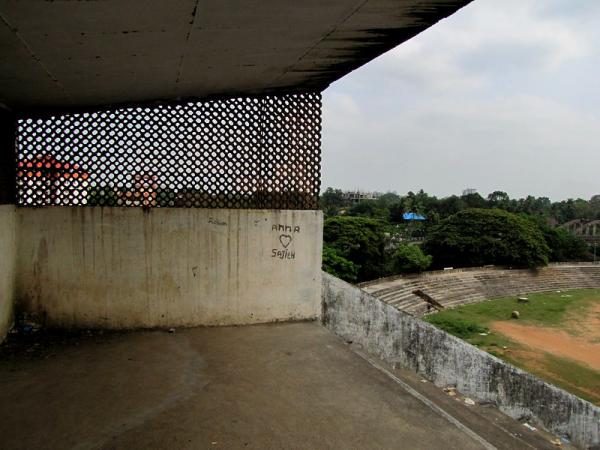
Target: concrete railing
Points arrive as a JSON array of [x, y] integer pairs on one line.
[[461, 286], [399, 338]]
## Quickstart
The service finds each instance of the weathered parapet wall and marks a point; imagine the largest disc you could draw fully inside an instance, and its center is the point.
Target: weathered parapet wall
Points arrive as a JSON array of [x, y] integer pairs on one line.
[[8, 255], [128, 267], [446, 360]]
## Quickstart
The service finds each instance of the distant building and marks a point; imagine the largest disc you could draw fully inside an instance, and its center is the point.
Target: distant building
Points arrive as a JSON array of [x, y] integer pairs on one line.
[[143, 193], [357, 196], [588, 230], [469, 191], [45, 180]]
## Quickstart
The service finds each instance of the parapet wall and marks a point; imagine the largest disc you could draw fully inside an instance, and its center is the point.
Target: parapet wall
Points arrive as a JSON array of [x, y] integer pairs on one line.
[[448, 361], [129, 268], [461, 286]]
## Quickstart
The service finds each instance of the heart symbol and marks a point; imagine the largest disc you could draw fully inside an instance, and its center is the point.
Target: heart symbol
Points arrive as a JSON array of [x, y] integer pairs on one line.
[[285, 240]]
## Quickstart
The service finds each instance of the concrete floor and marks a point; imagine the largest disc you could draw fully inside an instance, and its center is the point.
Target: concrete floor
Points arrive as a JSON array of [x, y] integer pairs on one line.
[[286, 386]]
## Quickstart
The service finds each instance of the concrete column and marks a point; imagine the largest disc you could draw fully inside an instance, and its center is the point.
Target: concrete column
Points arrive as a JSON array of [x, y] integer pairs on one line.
[[7, 157], [8, 241]]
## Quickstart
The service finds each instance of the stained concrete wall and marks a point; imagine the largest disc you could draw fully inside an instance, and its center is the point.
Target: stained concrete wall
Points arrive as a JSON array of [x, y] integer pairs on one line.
[[8, 244], [8, 254], [126, 267], [446, 360]]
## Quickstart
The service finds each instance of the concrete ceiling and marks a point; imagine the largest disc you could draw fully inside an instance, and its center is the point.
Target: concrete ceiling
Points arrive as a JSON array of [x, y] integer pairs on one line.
[[72, 54]]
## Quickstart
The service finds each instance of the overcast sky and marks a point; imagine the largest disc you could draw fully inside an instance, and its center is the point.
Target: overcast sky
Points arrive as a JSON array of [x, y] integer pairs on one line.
[[503, 95]]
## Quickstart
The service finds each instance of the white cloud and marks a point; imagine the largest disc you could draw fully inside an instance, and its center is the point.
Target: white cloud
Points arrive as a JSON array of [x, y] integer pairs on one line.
[[487, 35], [481, 99], [521, 144], [518, 26]]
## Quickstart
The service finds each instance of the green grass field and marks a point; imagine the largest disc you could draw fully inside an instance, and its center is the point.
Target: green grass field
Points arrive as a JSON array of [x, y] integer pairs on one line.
[[576, 313]]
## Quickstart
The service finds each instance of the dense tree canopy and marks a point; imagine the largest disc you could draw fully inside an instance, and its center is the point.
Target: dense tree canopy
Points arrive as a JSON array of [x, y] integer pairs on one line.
[[476, 237], [409, 258], [563, 245], [359, 240], [371, 239], [333, 203], [337, 265]]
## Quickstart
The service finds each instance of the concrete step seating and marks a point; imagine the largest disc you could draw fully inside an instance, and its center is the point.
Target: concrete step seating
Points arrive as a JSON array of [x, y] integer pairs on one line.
[[462, 286]]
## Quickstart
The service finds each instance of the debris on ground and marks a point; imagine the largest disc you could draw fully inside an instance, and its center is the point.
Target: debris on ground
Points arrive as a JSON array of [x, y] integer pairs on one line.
[[483, 334], [25, 327], [515, 314], [171, 330], [469, 401], [29, 340], [451, 391], [529, 427], [556, 442], [423, 380], [522, 300]]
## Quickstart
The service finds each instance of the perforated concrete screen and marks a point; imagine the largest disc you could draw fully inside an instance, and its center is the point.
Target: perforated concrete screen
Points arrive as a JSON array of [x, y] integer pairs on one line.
[[250, 152]]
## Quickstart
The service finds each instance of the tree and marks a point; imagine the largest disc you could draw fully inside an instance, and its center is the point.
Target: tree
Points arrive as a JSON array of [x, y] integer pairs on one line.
[[387, 199], [396, 213], [331, 201], [476, 237], [595, 206], [409, 258], [450, 205], [572, 209], [102, 196], [474, 200], [359, 240], [369, 208], [498, 199], [417, 203], [337, 265], [563, 245]]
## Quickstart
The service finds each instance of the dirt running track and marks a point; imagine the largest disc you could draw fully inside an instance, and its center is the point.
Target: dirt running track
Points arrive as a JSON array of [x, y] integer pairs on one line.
[[554, 341]]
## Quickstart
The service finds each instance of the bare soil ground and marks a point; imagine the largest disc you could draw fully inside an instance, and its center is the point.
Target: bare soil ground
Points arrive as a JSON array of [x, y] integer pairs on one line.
[[557, 336], [537, 362], [576, 341], [555, 341], [589, 326]]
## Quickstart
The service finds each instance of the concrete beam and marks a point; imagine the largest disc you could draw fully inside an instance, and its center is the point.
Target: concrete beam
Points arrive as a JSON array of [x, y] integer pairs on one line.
[[70, 55]]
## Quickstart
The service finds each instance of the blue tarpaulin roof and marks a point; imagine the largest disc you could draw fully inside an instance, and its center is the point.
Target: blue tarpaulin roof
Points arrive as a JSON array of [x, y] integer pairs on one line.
[[412, 216]]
